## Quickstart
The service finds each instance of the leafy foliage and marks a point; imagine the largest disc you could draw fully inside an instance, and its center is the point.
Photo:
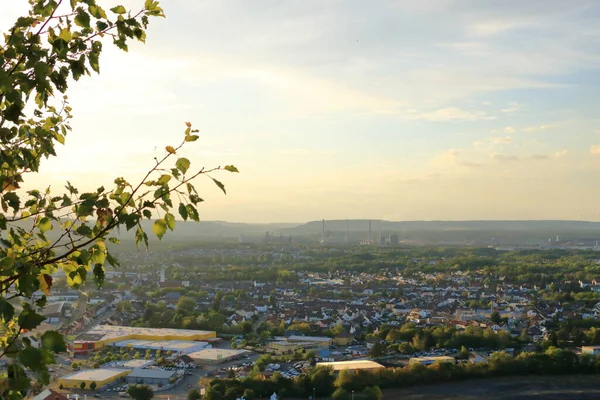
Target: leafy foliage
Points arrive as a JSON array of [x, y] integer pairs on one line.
[[42, 232]]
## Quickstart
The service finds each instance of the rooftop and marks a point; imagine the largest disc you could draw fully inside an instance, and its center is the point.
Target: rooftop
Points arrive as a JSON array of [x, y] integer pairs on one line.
[[151, 373], [106, 332], [355, 364], [296, 338], [99, 375], [216, 354]]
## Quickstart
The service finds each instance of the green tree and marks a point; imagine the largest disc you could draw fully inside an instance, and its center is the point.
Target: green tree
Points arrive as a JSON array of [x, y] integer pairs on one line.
[[405, 348], [140, 392], [55, 43], [249, 394], [186, 305], [372, 393], [463, 354], [194, 394], [377, 350], [340, 394], [495, 317], [93, 385], [82, 385]]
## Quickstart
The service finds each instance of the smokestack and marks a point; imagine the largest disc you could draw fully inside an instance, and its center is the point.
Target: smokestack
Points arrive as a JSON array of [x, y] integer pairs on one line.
[[369, 231], [323, 232], [381, 232]]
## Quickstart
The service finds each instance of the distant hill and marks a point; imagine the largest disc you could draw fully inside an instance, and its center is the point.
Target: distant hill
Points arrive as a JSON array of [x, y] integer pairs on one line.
[[480, 233]]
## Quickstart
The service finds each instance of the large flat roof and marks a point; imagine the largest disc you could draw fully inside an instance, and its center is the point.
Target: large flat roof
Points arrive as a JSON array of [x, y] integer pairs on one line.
[[309, 338], [354, 364], [151, 373], [216, 354], [100, 374], [106, 332], [167, 344]]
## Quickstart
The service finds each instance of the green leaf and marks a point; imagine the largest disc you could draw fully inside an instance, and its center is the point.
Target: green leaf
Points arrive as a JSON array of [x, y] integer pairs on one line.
[[98, 12], [45, 224], [147, 214], [82, 18], [183, 164], [192, 213], [54, 342], [7, 311], [191, 138], [219, 184], [114, 240], [84, 230], [118, 10], [29, 319], [159, 228], [170, 220], [183, 211], [231, 168], [65, 34], [164, 179]]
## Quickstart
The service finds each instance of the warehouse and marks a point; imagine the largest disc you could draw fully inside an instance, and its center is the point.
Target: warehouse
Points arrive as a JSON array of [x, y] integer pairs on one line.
[[101, 376], [216, 356], [129, 364], [174, 346], [150, 376], [351, 365], [282, 347], [103, 335]]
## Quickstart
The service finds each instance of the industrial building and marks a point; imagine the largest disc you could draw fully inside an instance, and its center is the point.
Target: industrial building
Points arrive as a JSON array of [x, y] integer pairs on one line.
[[431, 360], [129, 364], [174, 346], [103, 335], [216, 356], [150, 376], [101, 376], [354, 365]]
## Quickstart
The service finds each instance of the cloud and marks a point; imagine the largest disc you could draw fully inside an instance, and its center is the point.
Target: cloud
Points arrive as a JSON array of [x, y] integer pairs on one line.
[[526, 129], [561, 154], [538, 128], [595, 150], [503, 157], [502, 140], [513, 107], [452, 114]]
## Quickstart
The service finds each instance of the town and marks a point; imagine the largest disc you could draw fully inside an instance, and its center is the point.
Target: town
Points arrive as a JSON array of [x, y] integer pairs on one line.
[[247, 312]]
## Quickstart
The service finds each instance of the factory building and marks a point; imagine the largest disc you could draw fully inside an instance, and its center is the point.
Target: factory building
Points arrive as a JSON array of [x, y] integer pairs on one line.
[[101, 376], [104, 335], [216, 356]]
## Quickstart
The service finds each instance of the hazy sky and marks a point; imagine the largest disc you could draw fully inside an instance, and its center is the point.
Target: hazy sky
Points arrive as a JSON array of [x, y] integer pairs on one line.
[[432, 109]]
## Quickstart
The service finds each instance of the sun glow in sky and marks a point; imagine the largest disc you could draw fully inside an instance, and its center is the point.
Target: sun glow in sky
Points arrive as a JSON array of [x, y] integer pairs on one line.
[[437, 109]]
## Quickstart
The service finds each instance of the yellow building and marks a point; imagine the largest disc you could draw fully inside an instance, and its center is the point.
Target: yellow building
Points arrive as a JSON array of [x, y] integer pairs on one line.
[[101, 376], [283, 347], [353, 365]]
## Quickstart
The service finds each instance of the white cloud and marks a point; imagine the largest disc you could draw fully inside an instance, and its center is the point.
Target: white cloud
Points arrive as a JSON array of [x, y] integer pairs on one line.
[[502, 140], [513, 107], [595, 150], [452, 114], [561, 154]]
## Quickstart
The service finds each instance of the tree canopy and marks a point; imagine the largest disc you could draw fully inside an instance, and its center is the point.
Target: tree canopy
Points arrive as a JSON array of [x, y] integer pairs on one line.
[[56, 44]]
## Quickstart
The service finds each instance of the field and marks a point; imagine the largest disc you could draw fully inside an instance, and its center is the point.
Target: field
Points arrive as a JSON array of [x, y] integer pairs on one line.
[[514, 388]]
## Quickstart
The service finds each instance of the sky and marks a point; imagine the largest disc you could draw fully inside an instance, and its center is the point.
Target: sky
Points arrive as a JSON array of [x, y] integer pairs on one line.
[[401, 110]]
